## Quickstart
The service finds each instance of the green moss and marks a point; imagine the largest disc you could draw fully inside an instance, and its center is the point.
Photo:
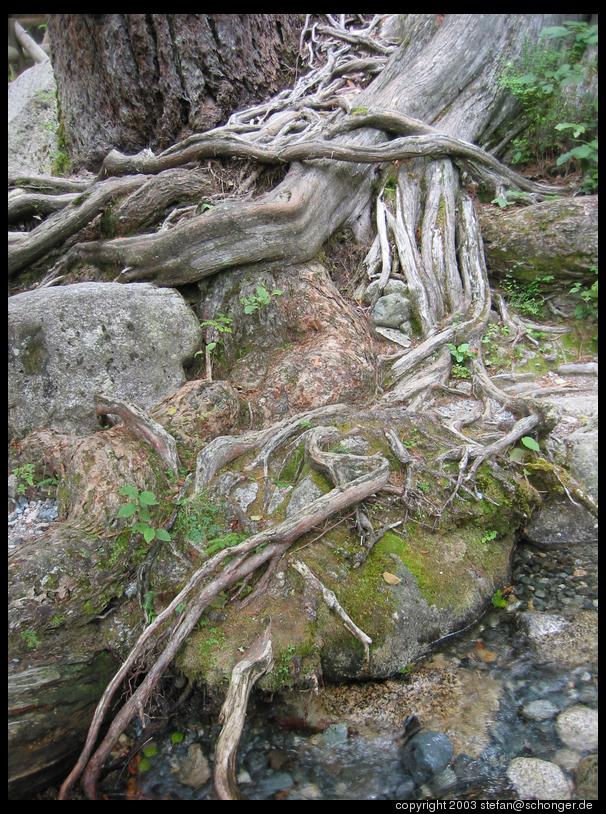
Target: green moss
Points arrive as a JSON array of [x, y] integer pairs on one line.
[[292, 465], [34, 355], [320, 480]]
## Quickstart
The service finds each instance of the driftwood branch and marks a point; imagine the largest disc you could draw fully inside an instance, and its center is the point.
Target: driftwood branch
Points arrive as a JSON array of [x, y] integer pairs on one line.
[[257, 661]]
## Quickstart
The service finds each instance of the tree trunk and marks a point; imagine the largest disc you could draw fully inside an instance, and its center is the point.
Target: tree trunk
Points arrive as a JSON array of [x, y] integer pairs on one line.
[[131, 81]]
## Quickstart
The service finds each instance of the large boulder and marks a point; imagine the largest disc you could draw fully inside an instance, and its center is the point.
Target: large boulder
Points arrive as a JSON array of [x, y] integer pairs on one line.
[[558, 237], [68, 343], [32, 122]]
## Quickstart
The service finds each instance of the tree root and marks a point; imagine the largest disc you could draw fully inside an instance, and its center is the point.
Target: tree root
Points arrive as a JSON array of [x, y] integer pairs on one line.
[[276, 541], [142, 426], [333, 603], [257, 661]]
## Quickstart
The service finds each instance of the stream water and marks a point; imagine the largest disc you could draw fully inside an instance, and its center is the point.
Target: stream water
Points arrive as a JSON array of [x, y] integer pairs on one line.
[[494, 693]]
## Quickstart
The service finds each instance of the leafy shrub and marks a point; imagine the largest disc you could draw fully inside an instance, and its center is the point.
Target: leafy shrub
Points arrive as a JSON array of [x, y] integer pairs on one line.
[[261, 299], [139, 509], [541, 80]]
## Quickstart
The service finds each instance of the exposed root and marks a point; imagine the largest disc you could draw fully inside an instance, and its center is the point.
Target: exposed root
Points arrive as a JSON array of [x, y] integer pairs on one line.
[[333, 603], [242, 564], [144, 427], [257, 661]]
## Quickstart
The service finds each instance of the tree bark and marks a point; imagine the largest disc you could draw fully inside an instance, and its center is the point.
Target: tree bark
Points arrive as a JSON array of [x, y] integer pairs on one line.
[[131, 81]]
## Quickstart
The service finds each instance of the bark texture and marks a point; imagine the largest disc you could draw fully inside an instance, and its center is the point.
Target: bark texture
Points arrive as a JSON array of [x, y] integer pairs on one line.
[[142, 80]]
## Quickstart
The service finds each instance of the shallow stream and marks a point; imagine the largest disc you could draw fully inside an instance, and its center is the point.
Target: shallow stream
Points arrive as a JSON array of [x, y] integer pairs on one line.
[[497, 691]]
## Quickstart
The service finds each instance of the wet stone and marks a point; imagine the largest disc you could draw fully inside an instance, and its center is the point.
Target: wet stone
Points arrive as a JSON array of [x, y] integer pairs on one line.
[[426, 755], [539, 710], [577, 727], [538, 779]]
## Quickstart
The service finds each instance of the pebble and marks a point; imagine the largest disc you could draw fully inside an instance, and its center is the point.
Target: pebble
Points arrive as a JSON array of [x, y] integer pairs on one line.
[[538, 779], [577, 727], [539, 710], [567, 758], [194, 770]]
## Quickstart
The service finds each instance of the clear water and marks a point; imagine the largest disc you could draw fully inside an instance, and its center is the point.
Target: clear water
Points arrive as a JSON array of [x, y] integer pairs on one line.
[[348, 764]]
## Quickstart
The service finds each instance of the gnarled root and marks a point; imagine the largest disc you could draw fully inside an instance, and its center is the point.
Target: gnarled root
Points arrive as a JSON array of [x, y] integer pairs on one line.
[[257, 661]]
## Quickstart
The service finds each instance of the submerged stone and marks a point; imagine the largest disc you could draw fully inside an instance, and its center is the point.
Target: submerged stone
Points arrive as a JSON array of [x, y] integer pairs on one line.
[[427, 754]]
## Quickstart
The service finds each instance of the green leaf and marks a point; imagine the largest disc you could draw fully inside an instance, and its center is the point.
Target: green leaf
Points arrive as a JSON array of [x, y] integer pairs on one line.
[[211, 346], [162, 534], [250, 309], [176, 737], [148, 534], [129, 491], [144, 514], [555, 32], [127, 510], [150, 750], [530, 443], [144, 765], [148, 499], [277, 292]]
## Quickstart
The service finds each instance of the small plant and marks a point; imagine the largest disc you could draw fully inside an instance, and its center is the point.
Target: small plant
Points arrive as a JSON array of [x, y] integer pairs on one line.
[[498, 600], [138, 508], [305, 423], [555, 118], [489, 536], [530, 443], [201, 519], [148, 607], [460, 353], [424, 485], [588, 307], [25, 477], [460, 372], [261, 299], [31, 639], [222, 325], [527, 298], [510, 197]]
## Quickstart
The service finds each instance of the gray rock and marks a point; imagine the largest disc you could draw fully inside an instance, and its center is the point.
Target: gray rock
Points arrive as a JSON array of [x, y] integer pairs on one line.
[[571, 641], [586, 778], [70, 342], [356, 445], [278, 497], [560, 523], [583, 446], [245, 494], [32, 121], [303, 493], [391, 311], [577, 727], [539, 710], [535, 779], [194, 771], [427, 754], [567, 758], [334, 735], [391, 287]]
